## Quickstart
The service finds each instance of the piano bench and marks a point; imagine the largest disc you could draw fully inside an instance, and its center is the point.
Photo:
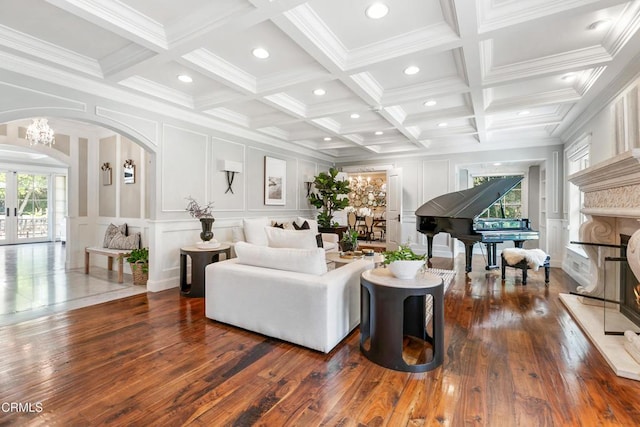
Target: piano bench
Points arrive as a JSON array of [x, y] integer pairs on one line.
[[524, 267]]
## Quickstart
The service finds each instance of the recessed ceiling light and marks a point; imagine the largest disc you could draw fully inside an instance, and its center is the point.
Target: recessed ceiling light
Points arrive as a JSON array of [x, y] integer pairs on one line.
[[377, 11], [599, 25], [260, 53], [185, 78], [411, 70], [523, 112], [497, 164], [379, 132], [569, 77], [443, 124], [430, 103], [319, 92], [327, 138], [355, 116]]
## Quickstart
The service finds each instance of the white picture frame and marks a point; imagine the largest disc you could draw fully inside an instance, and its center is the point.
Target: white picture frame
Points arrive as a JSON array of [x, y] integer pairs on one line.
[[275, 181], [129, 172]]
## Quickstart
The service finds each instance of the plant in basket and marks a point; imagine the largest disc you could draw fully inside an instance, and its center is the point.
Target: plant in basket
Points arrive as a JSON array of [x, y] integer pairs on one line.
[[138, 259]]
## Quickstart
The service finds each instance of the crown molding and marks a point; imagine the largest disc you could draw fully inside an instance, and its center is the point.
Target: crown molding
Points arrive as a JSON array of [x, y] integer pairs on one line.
[[288, 103], [367, 83], [435, 38], [328, 124], [43, 50], [589, 78], [624, 30], [560, 96], [212, 64], [576, 59], [305, 19], [116, 15], [492, 18], [124, 58], [159, 91], [448, 113], [448, 85], [293, 76]]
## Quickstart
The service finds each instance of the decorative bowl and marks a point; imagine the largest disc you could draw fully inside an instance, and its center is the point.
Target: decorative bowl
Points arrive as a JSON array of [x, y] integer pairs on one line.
[[405, 269]]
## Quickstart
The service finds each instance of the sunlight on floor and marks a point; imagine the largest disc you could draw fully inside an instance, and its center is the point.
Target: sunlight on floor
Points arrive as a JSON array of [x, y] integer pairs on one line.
[[34, 283]]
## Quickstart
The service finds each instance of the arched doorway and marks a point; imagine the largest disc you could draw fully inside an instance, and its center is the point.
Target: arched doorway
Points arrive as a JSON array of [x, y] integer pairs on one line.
[[64, 189]]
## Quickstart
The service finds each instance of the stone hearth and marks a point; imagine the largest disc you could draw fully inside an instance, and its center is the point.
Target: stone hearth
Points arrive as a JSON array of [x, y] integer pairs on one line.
[[612, 206]]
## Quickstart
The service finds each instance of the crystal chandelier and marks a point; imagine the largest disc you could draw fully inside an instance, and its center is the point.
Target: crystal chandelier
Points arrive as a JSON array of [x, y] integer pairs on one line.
[[39, 132]]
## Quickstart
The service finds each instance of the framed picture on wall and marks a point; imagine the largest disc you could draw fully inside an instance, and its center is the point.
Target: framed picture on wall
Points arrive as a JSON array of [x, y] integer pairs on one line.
[[129, 170], [275, 181]]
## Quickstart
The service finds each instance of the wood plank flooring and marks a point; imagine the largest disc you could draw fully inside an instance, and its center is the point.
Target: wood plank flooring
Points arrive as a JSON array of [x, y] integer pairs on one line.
[[514, 357]]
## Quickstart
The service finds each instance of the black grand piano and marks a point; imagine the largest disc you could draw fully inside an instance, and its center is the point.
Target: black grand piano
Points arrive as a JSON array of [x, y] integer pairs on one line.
[[457, 214]]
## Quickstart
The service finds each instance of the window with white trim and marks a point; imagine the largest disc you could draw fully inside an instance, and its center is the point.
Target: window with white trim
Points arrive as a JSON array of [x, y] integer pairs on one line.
[[512, 201], [577, 156]]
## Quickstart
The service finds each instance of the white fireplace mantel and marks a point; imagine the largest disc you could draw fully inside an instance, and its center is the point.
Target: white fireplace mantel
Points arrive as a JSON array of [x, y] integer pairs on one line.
[[611, 194], [619, 171]]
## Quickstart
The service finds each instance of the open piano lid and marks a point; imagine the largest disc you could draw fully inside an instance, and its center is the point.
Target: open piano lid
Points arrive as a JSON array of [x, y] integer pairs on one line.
[[471, 202]]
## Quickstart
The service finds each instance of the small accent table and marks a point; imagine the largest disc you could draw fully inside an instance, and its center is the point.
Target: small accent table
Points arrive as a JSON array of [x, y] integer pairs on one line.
[[200, 258], [391, 309]]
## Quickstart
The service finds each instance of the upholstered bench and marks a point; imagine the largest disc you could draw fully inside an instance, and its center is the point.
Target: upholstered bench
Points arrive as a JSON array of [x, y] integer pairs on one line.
[[525, 259]]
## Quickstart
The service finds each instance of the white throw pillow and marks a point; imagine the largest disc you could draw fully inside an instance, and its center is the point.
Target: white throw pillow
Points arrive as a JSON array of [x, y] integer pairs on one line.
[[237, 235], [300, 239], [313, 224], [310, 261], [254, 230]]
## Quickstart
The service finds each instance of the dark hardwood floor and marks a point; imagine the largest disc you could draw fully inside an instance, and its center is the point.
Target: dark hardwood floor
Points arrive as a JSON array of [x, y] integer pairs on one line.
[[514, 357]]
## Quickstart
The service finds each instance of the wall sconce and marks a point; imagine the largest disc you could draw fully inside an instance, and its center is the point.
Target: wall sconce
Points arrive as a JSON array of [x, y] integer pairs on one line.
[[231, 168], [308, 182]]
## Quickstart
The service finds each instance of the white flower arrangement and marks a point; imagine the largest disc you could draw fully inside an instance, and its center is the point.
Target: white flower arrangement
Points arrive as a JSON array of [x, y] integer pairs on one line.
[[364, 212]]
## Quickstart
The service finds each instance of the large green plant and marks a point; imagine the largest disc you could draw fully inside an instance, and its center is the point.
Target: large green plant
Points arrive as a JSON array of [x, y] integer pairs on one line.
[[329, 196]]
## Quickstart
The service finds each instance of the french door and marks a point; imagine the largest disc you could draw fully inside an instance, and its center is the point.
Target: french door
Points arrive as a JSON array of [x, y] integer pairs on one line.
[[24, 207]]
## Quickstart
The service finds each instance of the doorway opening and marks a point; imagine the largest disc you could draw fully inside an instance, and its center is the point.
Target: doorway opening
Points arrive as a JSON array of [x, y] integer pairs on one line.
[[33, 206]]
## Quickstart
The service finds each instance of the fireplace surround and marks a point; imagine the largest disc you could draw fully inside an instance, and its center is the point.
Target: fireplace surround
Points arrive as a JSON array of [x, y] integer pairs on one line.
[[612, 207]]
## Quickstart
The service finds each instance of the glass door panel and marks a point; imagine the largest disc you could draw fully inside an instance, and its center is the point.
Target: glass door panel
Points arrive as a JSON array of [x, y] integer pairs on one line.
[[4, 208], [33, 207]]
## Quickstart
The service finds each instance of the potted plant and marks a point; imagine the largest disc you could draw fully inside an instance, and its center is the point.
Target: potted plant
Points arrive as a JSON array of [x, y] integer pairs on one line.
[[204, 214], [138, 259], [403, 262], [349, 241], [330, 196]]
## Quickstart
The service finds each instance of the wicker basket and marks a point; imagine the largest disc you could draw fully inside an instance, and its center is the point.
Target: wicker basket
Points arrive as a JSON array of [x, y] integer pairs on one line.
[[140, 277]]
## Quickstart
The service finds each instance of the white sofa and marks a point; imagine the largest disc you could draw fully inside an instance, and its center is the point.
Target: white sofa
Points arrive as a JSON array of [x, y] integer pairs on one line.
[[312, 307], [253, 231]]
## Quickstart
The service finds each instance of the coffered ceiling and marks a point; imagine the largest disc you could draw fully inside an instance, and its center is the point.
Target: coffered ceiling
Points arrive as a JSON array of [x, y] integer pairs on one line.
[[498, 73]]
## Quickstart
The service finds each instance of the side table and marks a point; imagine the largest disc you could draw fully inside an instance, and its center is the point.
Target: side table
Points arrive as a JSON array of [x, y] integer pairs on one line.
[[200, 258], [391, 309]]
